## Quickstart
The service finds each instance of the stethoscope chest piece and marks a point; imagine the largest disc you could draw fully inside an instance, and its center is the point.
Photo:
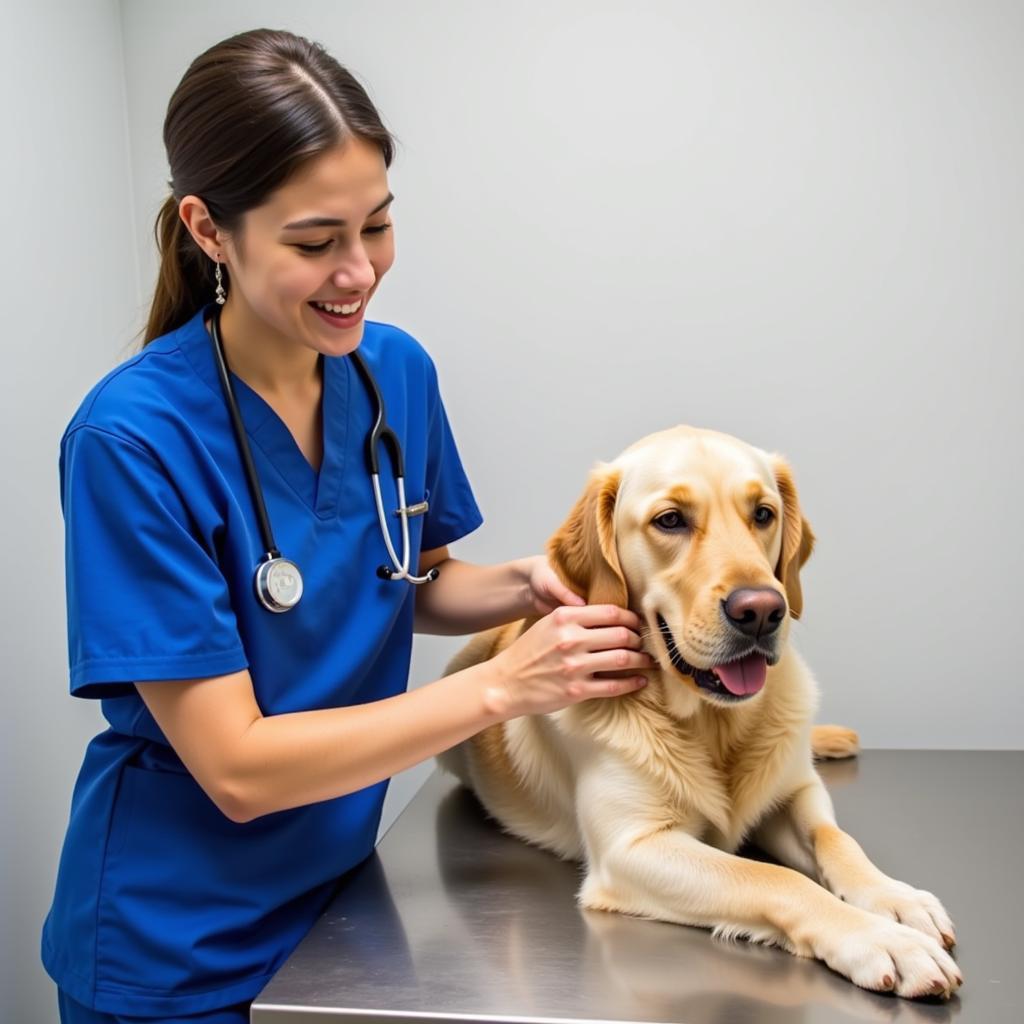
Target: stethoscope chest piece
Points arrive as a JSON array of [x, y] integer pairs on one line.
[[278, 584]]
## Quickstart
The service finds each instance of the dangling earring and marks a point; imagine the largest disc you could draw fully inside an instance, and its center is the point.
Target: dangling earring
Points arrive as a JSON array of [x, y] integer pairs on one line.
[[220, 286]]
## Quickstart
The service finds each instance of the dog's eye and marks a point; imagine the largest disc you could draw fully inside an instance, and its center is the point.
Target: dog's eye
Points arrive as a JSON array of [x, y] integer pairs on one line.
[[670, 521], [763, 515]]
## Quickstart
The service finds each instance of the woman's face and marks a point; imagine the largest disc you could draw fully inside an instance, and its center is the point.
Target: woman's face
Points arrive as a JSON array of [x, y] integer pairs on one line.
[[284, 270]]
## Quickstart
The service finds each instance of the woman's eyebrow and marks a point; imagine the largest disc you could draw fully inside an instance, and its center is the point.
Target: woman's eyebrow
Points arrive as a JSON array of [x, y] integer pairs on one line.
[[332, 222]]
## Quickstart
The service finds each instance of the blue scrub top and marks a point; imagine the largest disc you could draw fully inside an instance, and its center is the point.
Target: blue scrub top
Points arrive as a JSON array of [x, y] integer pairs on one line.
[[163, 905]]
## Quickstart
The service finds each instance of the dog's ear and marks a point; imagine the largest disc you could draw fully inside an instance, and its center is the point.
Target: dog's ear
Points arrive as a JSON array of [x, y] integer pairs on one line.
[[797, 536], [582, 551]]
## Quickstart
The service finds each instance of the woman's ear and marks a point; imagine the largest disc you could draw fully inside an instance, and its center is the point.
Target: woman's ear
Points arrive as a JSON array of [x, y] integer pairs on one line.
[[797, 536], [582, 551]]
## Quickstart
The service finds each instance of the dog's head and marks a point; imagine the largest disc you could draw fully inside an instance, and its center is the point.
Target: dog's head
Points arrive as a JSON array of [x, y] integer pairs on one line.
[[702, 536]]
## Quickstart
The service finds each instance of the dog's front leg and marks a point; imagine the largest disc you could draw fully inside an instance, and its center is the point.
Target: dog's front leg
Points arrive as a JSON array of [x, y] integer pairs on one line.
[[640, 863], [807, 824]]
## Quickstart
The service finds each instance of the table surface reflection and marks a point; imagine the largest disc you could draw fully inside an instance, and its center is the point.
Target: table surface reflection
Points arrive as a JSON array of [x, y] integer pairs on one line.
[[451, 920]]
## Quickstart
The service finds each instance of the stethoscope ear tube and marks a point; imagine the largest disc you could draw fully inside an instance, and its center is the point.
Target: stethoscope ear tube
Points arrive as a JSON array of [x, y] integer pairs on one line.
[[389, 574], [382, 433]]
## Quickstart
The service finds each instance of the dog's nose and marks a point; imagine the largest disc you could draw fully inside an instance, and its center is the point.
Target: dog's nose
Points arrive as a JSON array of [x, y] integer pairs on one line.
[[755, 612]]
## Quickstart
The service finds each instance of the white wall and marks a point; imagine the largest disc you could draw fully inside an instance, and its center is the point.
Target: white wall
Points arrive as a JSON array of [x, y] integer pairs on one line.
[[796, 222], [70, 291]]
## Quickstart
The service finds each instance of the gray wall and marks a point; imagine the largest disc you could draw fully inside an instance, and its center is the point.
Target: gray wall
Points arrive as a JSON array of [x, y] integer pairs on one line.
[[69, 284], [796, 222]]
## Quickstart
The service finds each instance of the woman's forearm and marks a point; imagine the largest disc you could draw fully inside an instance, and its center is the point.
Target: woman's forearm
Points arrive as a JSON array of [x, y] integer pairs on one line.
[[468, 598], [293, 759]]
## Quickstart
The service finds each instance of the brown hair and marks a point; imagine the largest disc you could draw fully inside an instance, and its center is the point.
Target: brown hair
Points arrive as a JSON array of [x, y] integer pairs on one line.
[[246, 114]]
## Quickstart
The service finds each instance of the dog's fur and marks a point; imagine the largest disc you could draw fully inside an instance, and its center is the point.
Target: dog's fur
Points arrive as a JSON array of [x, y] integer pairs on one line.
[[654, 791]]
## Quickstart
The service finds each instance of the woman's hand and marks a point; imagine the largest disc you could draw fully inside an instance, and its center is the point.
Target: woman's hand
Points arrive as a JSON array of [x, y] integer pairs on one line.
[[547, 591], [554, 663]]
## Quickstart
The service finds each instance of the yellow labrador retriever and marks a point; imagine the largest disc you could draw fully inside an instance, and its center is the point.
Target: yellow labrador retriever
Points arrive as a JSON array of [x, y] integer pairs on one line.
[[702, 536]]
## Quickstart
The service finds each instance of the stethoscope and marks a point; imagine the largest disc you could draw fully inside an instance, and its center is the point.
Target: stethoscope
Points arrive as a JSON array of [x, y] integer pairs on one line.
[[278, 581]]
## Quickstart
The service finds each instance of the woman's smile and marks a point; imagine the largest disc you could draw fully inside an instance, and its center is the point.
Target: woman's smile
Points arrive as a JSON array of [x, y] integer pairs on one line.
[[340, 320]]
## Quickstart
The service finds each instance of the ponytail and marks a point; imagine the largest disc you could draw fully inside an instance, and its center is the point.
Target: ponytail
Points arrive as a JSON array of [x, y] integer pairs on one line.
[[185, 281]]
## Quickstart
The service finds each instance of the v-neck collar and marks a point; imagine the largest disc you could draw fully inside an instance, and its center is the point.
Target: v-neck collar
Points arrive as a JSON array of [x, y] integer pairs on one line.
[[319, 489]]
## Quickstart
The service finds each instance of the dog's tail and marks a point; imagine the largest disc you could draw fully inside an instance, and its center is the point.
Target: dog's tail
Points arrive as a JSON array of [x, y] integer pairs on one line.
[[832, 741]]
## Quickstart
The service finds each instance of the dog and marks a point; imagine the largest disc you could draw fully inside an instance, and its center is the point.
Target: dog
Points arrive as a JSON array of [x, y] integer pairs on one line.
[[702, 536]]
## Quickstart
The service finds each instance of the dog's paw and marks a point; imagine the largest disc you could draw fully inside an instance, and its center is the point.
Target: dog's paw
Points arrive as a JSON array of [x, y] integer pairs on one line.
[[903, 903], [833, 741], [885, 956]]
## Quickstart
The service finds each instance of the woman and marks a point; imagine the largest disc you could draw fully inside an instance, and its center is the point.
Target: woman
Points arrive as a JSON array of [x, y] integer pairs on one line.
[[248, 752]]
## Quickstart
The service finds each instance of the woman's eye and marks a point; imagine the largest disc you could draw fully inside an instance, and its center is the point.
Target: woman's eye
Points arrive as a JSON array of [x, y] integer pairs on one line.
[[377, 229], [763, 515], [670, 521]]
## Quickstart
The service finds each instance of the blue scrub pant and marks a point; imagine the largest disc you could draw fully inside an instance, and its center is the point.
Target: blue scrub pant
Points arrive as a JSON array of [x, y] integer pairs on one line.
[[75, 1013]]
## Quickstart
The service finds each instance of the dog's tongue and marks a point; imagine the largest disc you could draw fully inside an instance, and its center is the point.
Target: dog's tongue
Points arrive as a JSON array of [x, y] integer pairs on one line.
[[745, 676]]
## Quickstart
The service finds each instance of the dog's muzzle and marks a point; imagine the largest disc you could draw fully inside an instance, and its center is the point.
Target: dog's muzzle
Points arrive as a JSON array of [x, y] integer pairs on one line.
[[737, 678]]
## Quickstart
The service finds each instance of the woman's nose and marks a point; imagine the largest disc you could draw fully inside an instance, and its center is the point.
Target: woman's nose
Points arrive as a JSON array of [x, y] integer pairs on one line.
[[355, 270]]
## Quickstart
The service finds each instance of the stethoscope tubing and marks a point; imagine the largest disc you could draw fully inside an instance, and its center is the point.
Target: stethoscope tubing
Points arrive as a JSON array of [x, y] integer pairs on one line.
[[380, 433], [252, 480], [383, 434]]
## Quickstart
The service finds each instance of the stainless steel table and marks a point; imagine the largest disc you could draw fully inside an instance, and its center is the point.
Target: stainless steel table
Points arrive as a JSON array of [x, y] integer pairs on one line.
[[450, 920]]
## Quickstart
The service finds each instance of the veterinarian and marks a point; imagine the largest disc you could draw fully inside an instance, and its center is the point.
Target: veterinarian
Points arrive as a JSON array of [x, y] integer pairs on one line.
[[242, 595]]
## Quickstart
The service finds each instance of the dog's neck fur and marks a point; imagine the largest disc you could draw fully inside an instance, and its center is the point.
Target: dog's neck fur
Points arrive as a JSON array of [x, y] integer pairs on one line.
[[674, 740]]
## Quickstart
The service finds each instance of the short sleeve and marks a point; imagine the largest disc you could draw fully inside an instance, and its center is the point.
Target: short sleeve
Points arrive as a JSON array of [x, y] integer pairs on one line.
[[146, 600], [453, 510]]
